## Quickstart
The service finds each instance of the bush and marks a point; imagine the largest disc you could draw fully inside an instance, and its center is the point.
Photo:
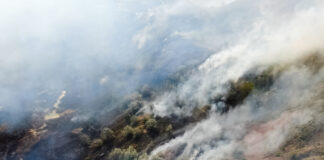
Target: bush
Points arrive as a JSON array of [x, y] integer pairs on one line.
[[123, 154], [200, 113], [107, 134], [169, 128], [137, 132], [151, 124], [140, 120], [157, 157], [246, 87], [128, 132], [96, 143], [143, 157], [133, 121], [239, 92], [85, 139]]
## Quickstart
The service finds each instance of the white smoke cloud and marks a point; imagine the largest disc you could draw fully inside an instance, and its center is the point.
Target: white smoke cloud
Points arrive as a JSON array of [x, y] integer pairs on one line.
[[83, 46], [277, 35], [257, 127], [50, 46], [279, 32]]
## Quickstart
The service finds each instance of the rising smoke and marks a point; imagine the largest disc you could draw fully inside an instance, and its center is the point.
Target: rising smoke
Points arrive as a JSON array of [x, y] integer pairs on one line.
[[280, 34], [99, 51], [89, 49]]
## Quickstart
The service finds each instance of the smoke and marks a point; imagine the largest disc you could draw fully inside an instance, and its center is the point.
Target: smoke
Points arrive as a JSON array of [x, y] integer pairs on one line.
[[279, 34], [257, 127], [99, 51], [88, 48], [54, 114]]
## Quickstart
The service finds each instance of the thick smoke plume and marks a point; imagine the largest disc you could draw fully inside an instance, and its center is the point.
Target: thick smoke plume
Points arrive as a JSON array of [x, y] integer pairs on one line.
[[257, 127], [87, 56], [88, 48], [281, 34], [271, 40]]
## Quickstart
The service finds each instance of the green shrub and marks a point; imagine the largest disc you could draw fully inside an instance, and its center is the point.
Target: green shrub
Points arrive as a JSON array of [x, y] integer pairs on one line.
[[200, 113], [128, 132], [169, 128], [143, 157], [151, 124], [157, 157], [246, 87], [239, 92], [85, 139], [137, 132], [107, 134], [87, 158], [96, 143], [123, 154], [133, 121]]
